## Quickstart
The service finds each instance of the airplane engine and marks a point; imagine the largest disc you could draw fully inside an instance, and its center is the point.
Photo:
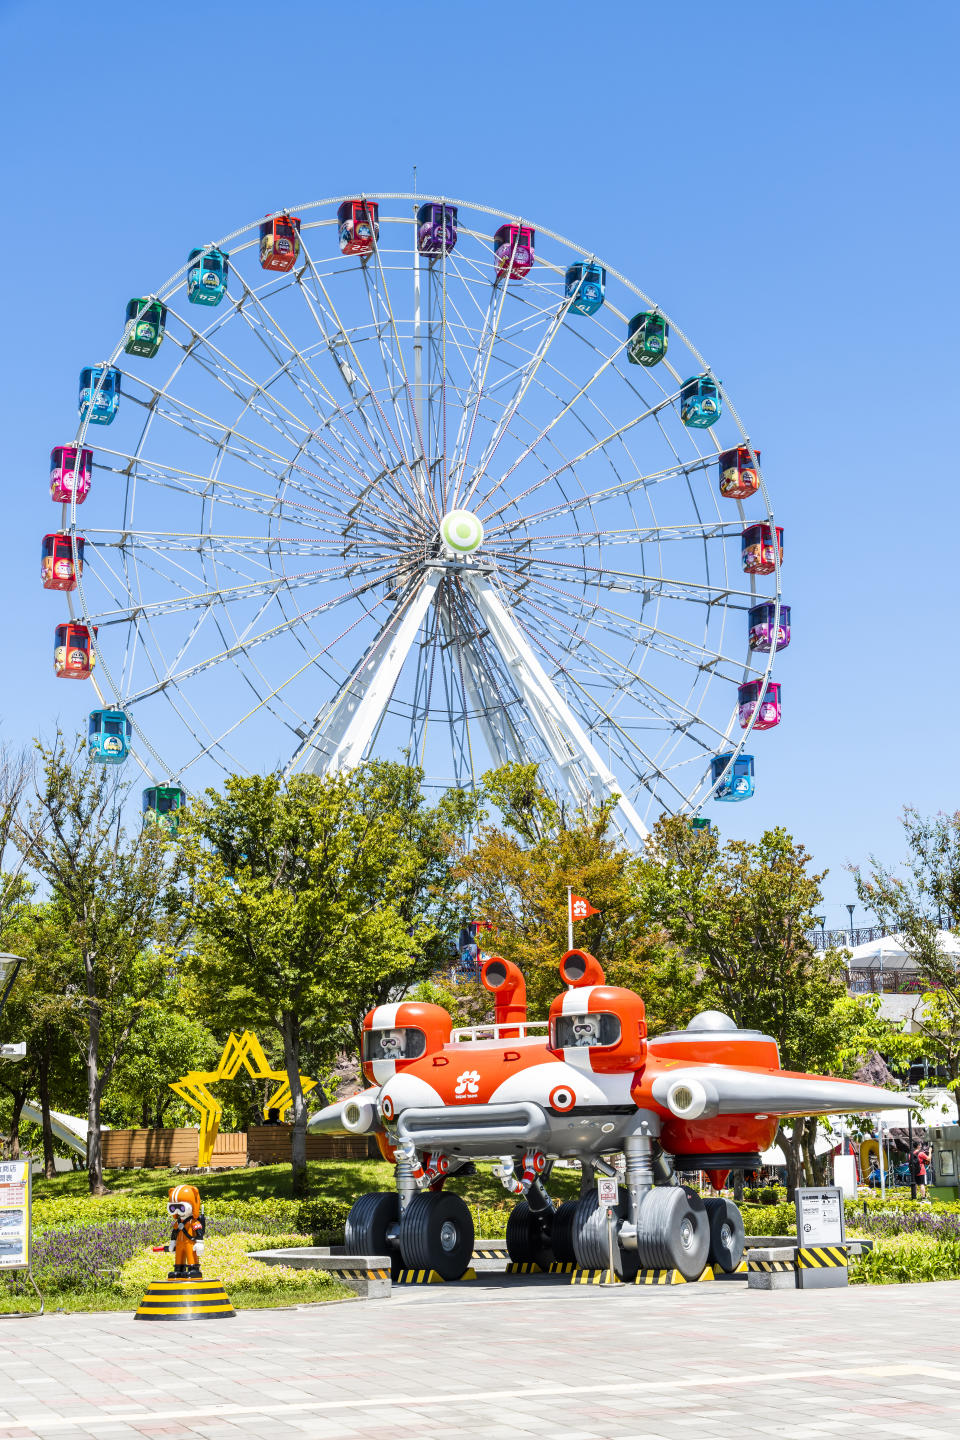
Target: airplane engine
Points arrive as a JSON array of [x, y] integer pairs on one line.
[[397, 1036], [594, 1026], [359, 1114]]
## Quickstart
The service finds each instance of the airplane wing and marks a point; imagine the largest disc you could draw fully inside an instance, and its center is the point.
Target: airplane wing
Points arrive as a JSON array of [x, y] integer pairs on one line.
[[356, 1115], [708, 1090]]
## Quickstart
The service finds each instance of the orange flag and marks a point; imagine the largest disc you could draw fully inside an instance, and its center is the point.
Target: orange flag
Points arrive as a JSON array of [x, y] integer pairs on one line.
[[580, 908]]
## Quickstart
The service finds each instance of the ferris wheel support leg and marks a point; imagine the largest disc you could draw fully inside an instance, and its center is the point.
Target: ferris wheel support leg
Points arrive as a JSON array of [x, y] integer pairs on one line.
[[343, 730], [561, 731]]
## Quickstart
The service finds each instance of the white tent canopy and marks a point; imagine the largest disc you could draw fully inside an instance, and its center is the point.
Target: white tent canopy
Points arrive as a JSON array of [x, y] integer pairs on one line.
[[888, 953]]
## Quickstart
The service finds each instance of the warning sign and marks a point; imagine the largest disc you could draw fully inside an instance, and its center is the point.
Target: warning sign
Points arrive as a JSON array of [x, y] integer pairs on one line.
[[607, 1191], [15, 1215]]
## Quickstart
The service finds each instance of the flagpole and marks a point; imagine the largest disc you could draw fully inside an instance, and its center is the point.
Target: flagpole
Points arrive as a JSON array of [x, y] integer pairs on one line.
[[569, 917]]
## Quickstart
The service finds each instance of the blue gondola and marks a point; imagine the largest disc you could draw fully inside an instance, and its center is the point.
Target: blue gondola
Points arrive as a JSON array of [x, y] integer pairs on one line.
[[108, 736], [738, 783], [588, 283], [163, 802], [700, 403], [207, 276], [101, 408]]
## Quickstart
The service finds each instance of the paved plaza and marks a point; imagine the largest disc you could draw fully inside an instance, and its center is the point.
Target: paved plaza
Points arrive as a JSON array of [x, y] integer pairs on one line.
[[504, 1358]]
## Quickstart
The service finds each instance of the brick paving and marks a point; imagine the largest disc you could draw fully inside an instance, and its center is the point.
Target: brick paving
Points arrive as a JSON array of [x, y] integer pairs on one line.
[[503, 1358]]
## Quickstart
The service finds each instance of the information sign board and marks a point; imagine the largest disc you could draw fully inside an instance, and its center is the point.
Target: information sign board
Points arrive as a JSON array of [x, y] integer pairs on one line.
[[820, 1218], [607, 1191], [15, 1215]]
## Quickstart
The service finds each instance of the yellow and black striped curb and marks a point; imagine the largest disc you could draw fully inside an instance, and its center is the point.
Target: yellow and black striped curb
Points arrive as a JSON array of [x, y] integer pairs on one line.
[[360, 1274], [562, 1267], [428, 1277], [593, 1277], [185, 1300], [739, 1274], [524, 1267], [670, 1277], [768, 1267], [492, 1252], [821, 1257]]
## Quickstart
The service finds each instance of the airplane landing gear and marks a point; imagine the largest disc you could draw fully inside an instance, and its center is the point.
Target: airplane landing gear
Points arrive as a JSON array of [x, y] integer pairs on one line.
[[529, 1236], [726, 1234], [591, 1242], [436, 1233], [372, 1224], [673, 1231]]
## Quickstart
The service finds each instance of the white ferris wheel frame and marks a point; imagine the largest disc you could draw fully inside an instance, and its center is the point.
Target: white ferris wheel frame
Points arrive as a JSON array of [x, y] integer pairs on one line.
[[399, 426]]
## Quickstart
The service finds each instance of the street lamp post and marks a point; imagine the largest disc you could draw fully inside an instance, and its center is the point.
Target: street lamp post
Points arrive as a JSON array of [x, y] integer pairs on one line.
[[850, 910], [821, 920]]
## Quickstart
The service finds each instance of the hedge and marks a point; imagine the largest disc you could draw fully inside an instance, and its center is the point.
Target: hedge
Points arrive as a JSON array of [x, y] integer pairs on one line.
[[907, 1259], [309, 1217]]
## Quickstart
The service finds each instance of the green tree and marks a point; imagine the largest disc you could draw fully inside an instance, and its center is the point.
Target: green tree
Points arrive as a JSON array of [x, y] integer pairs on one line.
[[912, 904], [742, 914], [316, 899], [166, 1043], [110, 897], [517, 872]]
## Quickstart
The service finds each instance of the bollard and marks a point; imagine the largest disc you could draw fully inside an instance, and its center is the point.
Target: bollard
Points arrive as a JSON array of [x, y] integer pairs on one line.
[[611, 1271]]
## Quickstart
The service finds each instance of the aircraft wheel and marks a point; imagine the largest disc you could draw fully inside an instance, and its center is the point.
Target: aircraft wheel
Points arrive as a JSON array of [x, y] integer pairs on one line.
[[561, 1236], [590, 1243], [726, 1234], [370, 1217], [436, 1233], [673, 1232], [527, 1239]]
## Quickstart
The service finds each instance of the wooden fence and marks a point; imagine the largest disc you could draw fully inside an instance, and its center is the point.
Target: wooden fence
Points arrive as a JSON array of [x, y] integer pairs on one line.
[[264, 1144]]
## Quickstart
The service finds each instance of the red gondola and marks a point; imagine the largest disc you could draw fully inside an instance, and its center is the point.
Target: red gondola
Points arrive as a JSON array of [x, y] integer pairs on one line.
[[73, 657], [758, 551], [739, 476], [279, 241], [57, 570], [358, 226]]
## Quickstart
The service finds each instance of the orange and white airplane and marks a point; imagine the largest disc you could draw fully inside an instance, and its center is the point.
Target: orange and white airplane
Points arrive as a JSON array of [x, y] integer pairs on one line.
[[587, 1084]]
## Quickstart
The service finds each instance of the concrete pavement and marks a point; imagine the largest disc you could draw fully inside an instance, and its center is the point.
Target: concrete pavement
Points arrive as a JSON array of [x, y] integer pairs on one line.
[[501, 1357]]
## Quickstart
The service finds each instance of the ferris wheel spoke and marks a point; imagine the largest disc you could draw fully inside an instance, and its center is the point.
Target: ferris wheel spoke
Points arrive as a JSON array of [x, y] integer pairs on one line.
[[395, 455], [592, 706], [653, 637], [622, 490], [570, 745], [633, 582], [659, 534], [232, 651], [342, 730], [500, 718], [281, 546]]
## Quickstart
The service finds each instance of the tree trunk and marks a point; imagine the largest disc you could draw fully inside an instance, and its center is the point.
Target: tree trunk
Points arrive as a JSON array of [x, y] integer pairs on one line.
[[290, 1027], [13, 1139], [94, 1150], [43, 1085], [791, 1145]]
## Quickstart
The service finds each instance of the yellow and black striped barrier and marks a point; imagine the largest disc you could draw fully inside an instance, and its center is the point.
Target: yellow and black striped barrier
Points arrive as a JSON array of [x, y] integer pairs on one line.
[[592, 1277], [525, 1267], [821, 1257], [562, 1267], [670, 1277], [768, 1267], [360, 1274], [185, 1300], [491, 1252], [429, 1277], [739, 1274]]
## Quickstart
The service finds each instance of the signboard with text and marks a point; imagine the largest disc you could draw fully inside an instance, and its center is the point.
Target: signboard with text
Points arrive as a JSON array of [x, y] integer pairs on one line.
[[15, 1215], [820, 1218], [607, 1191]]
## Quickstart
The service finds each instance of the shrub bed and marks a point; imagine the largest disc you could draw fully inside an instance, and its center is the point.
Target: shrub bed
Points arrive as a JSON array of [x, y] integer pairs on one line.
[[905, 1259]]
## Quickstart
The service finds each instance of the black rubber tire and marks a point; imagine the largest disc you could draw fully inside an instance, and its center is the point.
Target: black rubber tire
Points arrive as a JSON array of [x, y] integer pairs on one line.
[[590, 1243], [673, 1232], [436, 1233], [370, 1217], [527, 1239], [726, 1234], [561, 1233]]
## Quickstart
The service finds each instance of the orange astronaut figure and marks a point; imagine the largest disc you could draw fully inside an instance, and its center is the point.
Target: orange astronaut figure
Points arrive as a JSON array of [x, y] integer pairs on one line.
[[186, 1237]]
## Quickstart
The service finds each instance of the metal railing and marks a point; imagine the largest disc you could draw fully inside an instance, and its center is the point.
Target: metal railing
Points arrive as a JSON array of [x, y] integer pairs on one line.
[[888, 982], [509, 1030], [844, 939]]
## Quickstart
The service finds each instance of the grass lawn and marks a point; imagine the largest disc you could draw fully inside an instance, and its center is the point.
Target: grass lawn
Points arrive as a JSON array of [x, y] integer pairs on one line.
[[331, 1179], [85, 1301]]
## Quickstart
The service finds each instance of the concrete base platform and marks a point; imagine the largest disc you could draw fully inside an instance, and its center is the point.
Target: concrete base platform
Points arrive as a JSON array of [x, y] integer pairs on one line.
[[368, 1275]]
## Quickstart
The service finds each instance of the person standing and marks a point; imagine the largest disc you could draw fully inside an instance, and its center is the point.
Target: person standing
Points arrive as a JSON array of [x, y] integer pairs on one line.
[[919, 1162]]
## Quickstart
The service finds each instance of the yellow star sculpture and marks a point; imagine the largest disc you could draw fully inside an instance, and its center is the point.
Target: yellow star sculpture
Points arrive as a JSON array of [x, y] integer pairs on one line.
[[247, 1051]]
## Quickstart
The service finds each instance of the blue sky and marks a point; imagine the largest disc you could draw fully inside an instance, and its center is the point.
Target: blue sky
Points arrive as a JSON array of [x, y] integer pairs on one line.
[[781, 177]]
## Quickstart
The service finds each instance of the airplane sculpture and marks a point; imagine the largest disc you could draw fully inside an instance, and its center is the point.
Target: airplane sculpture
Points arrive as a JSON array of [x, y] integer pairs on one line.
[[709, 1098]]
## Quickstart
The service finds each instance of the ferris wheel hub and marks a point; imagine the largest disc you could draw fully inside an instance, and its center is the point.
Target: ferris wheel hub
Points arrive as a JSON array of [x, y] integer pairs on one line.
[[461, 532]]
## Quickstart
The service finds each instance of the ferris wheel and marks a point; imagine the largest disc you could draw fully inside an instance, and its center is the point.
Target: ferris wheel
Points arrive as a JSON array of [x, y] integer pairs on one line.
[[407, 476]]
